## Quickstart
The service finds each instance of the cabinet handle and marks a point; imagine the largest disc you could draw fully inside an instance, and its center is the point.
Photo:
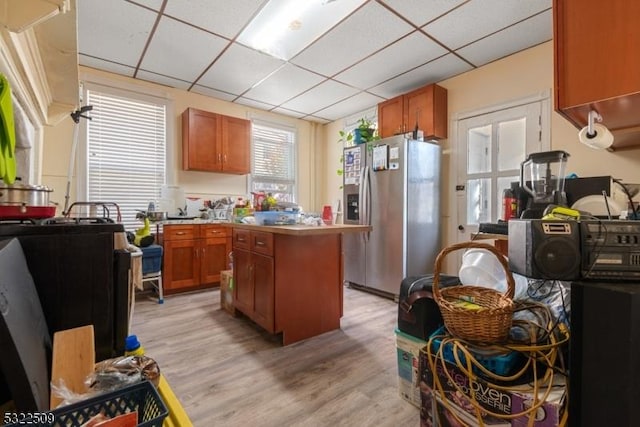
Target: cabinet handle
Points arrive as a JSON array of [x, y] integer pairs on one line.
[[219, 158], [259, 243], [180, 233], [215, 232], [224, 158], [241, 239]]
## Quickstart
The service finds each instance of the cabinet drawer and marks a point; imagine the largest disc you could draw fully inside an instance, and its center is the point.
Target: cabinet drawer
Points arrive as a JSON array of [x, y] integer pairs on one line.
[[262, 243], [213, 231], [241, 239], [180, 232]]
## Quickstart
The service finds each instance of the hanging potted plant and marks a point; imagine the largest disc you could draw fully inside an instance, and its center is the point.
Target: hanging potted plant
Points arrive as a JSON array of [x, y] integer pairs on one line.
[[365, 132]]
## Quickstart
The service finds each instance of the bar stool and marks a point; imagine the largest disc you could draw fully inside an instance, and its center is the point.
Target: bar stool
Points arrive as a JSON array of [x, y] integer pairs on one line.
[[152, 268]]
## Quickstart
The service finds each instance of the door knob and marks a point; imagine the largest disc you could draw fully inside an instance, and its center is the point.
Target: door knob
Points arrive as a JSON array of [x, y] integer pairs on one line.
[[461, 227]]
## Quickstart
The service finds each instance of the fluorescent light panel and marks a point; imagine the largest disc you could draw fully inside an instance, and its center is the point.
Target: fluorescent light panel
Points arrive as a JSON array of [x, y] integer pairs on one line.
[[285, 27]]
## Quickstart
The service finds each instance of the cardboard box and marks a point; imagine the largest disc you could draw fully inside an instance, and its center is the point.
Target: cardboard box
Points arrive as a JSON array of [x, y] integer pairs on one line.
[[408, 354], [455, 399], [226, 291]]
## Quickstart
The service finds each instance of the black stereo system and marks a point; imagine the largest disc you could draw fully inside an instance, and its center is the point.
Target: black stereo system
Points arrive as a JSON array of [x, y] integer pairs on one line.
[[574, 250]]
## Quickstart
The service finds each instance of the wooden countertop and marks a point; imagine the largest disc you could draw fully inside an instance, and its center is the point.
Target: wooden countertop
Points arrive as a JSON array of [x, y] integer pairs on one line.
[[303, 230]]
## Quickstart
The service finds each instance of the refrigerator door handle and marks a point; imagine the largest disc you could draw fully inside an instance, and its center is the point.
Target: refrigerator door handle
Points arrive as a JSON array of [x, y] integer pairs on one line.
[[366, 206], [361, 200]]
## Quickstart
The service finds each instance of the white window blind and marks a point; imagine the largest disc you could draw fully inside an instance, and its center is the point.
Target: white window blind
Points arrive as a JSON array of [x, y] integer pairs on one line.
[[273, 160], [126, 153]]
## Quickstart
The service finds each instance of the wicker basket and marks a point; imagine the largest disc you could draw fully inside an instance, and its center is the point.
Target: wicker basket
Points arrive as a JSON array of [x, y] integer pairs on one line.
[[488, 324]]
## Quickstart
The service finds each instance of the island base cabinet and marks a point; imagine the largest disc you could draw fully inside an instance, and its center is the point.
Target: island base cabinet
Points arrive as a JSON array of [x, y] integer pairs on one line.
[[289, 284], [309, 285]]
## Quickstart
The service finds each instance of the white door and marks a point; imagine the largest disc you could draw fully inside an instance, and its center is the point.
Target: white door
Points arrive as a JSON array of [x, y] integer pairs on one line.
[[490, 148]]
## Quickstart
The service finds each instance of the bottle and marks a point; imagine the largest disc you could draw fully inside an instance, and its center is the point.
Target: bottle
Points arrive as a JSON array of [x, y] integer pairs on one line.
[[508, 203], [132, 346]]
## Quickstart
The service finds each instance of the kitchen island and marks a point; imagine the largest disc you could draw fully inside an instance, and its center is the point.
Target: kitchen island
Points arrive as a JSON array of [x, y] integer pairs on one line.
[[289, 279]]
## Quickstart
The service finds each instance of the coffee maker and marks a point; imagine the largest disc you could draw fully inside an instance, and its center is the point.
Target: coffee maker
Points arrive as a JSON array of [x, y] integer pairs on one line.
[[542, 179]]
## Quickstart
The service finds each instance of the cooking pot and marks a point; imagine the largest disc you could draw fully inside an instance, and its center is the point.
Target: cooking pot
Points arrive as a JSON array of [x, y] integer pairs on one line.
[[24, 195], [19, 201]]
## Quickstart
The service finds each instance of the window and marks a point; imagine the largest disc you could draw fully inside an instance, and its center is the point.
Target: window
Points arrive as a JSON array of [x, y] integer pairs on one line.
[[125, 151], [273, 160]]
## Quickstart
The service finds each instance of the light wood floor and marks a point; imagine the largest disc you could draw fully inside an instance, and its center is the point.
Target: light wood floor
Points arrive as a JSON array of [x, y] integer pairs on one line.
[[228, 372]]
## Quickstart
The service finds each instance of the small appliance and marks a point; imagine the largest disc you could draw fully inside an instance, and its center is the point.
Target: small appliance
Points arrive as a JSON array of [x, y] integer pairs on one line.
[[545, 249], [542, 179]]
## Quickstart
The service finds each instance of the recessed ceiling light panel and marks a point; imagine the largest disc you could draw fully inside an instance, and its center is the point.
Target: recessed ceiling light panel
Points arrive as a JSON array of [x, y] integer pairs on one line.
[[285, 27]]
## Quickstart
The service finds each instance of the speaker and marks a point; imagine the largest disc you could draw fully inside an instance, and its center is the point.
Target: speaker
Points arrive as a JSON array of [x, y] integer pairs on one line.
[[545, 249], [604, 354]]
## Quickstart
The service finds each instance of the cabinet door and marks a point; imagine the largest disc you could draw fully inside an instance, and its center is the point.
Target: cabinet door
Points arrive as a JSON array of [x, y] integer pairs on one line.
[[214, 258], [264, 291], [181, 264], [200, 141], [597, 66], [391, 118], [236, 140], [243, 283], [426, 109]]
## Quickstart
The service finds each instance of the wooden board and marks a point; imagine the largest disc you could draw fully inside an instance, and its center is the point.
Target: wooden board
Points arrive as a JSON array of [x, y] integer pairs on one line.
[[74, 358]]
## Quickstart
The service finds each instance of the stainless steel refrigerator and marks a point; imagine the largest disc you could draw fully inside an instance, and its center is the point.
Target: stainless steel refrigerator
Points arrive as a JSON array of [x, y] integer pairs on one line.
[[393, 185]]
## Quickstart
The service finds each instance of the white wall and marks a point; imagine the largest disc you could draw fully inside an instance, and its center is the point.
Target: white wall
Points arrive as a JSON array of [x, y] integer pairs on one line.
[[524, 74]]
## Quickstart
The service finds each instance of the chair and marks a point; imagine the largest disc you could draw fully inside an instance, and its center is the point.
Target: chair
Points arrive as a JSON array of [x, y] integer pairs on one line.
[[152, 268]]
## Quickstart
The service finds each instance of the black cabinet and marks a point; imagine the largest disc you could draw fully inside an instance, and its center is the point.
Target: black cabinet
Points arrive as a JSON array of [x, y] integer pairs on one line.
[[604, 354], [80, 279]]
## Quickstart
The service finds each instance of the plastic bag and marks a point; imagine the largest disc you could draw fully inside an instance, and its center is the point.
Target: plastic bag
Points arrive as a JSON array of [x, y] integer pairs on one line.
[[112, 374]]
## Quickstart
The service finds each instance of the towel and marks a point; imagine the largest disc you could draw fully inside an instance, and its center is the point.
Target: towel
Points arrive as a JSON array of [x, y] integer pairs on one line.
[[7, 134], [136, 267]]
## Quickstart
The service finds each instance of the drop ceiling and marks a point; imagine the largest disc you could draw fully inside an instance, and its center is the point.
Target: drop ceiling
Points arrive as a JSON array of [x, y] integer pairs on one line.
[[331, 62]]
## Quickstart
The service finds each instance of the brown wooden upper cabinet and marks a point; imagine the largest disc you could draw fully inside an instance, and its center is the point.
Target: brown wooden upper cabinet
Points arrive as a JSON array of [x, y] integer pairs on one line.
[[215, 143], [597, 65], [425, 108]]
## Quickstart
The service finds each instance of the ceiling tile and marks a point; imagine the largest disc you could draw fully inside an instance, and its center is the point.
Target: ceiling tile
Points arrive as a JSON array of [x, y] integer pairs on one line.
[[239, 69], [222, 17], [416, 12], [433, 72], [202, 90], [531, 32], [410, 52], [167, 55], [284, 84], [320, 97], [479, 18], [367, 30], [254, 103], [120, 33], [358, 102], [101, 64], [151, 4], [163, 80]]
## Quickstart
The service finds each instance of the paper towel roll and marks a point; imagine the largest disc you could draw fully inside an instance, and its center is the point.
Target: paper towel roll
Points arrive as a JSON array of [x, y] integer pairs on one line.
[[602, 139]]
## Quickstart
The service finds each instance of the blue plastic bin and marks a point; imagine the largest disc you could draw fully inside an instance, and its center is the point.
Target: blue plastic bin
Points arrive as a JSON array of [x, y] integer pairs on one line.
[[151, 259]]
